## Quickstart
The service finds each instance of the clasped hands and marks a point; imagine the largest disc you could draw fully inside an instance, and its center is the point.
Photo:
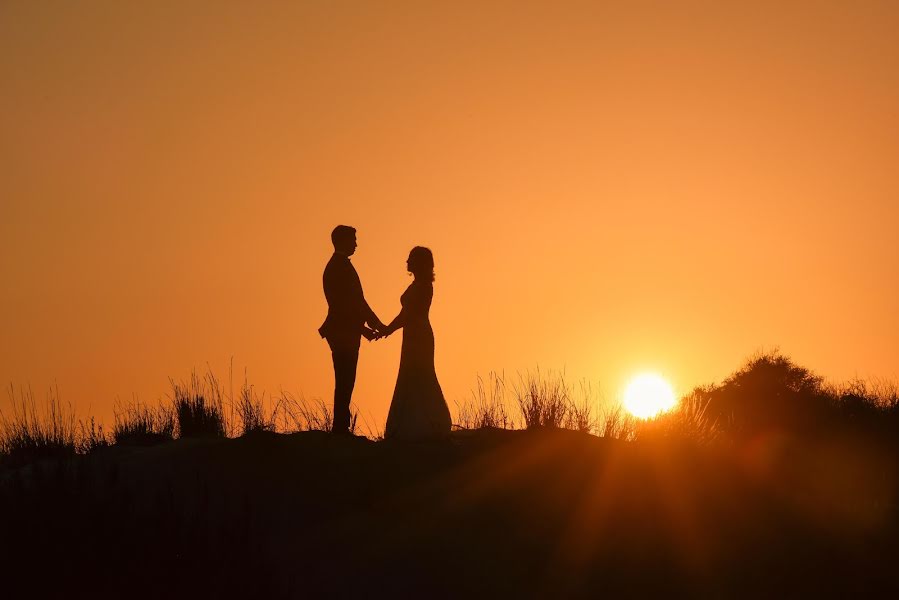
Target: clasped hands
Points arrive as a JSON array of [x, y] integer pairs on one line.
[[375, 332]]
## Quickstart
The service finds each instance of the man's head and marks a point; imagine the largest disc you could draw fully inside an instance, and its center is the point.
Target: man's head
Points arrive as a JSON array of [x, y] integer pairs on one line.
[[344, 239]]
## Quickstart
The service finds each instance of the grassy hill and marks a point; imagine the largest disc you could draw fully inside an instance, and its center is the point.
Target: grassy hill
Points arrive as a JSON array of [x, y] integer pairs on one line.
[[770, 483], [537, 513]]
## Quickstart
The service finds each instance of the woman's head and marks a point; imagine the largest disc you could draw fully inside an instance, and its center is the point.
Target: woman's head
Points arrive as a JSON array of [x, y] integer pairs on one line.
[[421, 263]]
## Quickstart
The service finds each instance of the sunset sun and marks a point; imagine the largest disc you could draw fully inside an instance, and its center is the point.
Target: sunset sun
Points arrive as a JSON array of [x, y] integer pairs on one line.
[[648, 395]]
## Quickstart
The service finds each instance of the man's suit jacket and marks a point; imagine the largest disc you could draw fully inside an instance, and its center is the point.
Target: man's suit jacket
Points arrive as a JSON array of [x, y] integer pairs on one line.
[[347, 309]]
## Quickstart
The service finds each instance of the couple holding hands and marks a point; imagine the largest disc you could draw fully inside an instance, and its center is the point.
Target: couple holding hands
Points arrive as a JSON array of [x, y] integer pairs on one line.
[[418, 409]]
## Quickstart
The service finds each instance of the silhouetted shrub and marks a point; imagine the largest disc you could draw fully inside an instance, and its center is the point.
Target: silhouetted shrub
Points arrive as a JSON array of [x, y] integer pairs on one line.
[[769, 391], [30, 434], [869, 406], [140, 425]]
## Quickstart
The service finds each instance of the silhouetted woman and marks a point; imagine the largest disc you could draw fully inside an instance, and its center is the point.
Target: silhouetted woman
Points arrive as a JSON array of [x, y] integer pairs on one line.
[[418, 409]]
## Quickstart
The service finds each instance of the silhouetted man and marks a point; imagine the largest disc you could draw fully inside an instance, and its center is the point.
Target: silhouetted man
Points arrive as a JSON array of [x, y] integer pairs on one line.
[[348, 313]]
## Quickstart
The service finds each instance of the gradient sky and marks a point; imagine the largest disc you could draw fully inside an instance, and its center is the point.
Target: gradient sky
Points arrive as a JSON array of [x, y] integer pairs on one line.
[[607, 187]]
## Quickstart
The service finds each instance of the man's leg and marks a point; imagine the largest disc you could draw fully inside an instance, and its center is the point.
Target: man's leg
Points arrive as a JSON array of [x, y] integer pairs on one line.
[[346, 357]]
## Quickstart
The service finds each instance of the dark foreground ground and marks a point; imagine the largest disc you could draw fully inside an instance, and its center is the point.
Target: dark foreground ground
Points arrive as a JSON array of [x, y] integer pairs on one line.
[[489, 513]]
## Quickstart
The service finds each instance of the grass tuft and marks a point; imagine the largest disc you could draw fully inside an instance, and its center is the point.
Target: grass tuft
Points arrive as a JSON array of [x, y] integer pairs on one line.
[[199, 406], [33, 433], [488, 406], [140, 425], [689, 420], [580, 415], [252, 413], [544, 400], [92, 437], [616, 423], [305, 415]]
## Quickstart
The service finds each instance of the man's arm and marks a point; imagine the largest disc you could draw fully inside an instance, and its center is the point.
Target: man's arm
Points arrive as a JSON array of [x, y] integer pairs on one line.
[[369, 315], [343, 290], [371, 318]]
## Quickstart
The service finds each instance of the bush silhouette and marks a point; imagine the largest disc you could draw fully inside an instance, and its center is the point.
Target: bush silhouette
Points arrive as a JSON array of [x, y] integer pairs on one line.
[[769, 392]]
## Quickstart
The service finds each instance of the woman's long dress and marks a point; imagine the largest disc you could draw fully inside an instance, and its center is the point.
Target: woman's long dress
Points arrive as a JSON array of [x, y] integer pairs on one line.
[[418, 409]]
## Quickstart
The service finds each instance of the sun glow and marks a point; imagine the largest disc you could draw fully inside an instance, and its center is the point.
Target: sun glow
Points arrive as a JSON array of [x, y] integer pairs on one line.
[[648, 395]]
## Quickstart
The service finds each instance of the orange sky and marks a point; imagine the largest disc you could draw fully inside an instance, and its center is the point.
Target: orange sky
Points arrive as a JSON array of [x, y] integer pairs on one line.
[[606, 186]]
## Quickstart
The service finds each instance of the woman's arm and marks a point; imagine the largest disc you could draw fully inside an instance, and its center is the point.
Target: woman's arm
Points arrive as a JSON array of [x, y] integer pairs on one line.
[[397, 323]]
